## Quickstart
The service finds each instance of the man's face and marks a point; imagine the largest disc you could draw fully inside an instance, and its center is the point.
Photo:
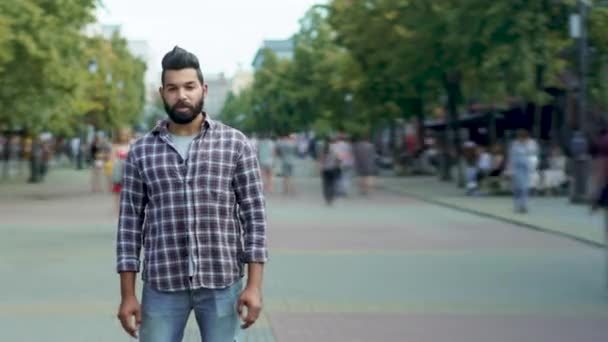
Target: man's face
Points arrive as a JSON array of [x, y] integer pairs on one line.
[[183, 95]]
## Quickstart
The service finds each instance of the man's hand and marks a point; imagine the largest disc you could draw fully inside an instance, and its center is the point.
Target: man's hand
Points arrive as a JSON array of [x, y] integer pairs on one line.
[[251, 298], [130, 309]]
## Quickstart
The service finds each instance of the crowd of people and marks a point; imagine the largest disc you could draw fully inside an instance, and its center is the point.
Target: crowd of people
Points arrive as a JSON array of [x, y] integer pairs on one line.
[[103, 156], [19, 153], [339, 161], [107, 161], [520, 166]]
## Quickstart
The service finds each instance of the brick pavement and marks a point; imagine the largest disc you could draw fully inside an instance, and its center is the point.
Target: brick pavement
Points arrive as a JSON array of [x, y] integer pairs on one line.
[[385, 268]]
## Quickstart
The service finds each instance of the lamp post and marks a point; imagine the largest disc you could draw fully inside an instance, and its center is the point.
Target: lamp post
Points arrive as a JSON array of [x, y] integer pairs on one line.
[[578, 29], [578, 142]]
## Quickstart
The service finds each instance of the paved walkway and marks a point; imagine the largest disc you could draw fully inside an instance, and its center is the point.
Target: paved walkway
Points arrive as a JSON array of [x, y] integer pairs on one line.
[[550, 214], [385, 268]]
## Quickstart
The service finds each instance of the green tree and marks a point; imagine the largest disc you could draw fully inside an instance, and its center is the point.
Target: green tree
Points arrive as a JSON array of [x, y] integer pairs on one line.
[[43, 66], [306, 92], [237, 110], [114, 95], [40, 72]]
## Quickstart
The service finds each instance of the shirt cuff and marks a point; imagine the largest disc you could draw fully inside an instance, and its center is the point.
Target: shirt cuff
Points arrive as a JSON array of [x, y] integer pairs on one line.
[[257, 255], [130, 265]]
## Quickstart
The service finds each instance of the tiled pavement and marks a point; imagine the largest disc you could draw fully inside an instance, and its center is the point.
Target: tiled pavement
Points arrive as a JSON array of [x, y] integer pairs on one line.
[[387, 268], [547, 213]]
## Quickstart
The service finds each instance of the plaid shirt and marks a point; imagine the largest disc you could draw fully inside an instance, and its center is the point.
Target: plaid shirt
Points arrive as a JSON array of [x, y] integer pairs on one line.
[[211, 204]]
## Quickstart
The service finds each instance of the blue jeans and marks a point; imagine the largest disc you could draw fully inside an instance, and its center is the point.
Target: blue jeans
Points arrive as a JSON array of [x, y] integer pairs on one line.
[[521, 188], [165, 314], [521, 198]]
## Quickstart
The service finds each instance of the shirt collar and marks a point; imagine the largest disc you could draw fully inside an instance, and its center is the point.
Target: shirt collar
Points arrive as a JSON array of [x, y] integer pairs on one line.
[[162, 126]]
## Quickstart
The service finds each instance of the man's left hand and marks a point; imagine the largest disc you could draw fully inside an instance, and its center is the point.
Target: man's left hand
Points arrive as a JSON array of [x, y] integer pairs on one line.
[[251, 298]]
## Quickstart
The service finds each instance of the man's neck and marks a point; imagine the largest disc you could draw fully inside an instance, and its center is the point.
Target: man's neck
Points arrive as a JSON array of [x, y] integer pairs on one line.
[[191, 128]]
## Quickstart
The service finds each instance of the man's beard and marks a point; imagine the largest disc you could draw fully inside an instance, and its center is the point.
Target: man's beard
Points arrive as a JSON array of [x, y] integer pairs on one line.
[[184, 118]]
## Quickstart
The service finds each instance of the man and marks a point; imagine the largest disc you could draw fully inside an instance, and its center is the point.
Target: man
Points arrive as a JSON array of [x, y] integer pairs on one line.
[[521, 169], [192, 197]]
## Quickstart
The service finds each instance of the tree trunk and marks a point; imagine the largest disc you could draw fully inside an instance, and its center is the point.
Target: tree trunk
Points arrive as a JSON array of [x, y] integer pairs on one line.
[[36, 162], [492, 134], [538, 108]]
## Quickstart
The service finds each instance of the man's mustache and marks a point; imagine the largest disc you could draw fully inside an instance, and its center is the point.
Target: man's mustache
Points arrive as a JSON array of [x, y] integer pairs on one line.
[[183, 104]]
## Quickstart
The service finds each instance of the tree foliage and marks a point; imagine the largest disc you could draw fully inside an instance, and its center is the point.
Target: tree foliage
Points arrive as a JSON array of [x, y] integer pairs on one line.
[[393, 55], [44, 56]]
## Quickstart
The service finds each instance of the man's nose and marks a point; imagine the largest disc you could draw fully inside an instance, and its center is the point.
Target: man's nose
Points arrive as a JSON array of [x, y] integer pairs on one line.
[[182, 94]]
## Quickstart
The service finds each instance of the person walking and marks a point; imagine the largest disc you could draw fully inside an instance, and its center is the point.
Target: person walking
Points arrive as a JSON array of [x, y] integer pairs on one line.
[[97, 153], [266, 153], [520, 166], [118, 156], [344, 148], [286, 151], [365, 164], [330, 170], [192, 200]]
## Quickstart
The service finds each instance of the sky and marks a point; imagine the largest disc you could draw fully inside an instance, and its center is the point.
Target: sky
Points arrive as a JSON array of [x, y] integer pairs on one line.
[[222, 33]]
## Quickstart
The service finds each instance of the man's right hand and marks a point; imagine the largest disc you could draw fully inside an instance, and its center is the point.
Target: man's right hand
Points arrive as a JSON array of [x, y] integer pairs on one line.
[[129, 314]]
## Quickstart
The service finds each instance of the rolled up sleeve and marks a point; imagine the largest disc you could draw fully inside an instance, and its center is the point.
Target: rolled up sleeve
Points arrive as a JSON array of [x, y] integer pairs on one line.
[[250, 198], [133, 200]]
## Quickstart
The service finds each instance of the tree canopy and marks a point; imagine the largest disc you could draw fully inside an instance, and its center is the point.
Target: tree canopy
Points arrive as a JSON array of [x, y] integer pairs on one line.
[[44, 67], [398, 58]]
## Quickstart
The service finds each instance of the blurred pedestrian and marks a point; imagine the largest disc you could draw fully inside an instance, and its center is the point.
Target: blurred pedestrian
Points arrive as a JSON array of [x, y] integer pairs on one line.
[[344, 148], [499, 162], [97, 153], [118, 156], [192, 199], [554, 174], [302, 145], [484, 163], [521, 167], [365, 164], [266, 157], [330, 169], [471, 169], [286, 151]]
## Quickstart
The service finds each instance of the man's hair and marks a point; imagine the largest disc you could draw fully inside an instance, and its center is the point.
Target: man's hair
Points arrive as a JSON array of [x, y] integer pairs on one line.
[[178, 59]]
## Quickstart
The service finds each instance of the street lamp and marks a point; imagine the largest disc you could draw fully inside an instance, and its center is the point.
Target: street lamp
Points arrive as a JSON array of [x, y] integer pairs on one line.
[[578, 29], [578, 142]]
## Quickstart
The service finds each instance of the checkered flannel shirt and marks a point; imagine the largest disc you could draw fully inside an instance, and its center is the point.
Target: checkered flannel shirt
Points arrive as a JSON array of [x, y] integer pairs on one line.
[[211, 203]]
